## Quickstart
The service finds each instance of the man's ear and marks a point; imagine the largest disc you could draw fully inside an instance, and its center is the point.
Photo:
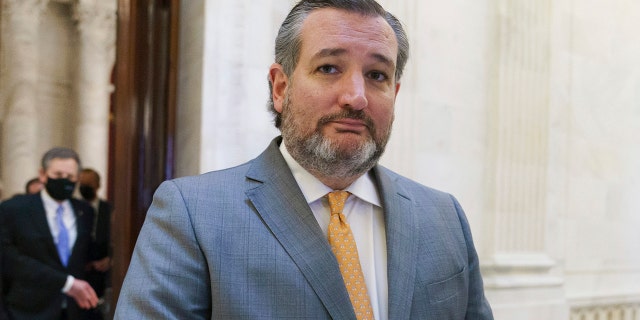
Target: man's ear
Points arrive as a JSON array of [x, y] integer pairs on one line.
[[42, 176], [279, 83]]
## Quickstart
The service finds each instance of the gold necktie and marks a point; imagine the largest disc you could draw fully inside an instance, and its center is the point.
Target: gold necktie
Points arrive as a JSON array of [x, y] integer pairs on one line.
[[344, 247]]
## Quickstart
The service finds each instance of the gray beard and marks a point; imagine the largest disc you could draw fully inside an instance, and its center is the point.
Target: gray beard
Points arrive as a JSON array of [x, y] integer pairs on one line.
[[320, 156], [317, 154]]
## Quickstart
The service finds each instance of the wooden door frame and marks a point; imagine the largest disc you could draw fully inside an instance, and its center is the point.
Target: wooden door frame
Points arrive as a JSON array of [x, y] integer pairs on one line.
[[143, 113]]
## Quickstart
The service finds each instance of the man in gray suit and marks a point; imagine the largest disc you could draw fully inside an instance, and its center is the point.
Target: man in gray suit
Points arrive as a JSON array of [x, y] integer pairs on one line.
[[251, 242]]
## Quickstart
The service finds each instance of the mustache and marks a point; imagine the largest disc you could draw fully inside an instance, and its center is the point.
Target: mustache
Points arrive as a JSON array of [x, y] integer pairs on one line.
[[347, 114]]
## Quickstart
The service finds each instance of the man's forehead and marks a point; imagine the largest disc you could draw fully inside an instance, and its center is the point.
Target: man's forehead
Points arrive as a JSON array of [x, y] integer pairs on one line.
[[62, 163], [324, 29]]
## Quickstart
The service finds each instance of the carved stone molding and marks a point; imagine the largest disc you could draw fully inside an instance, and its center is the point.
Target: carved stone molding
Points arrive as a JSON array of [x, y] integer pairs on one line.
[[606, 308], [520, 148], [96, 27], [96, 22], [21, 18], [20, 22], [23, 7]]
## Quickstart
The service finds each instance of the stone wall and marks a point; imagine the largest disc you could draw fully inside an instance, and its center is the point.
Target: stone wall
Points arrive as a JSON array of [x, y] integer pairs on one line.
[[56, 62]]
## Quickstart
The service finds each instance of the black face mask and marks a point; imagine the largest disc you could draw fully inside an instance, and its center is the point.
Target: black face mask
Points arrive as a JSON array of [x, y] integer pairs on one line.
[[60, 189], [87, 192]]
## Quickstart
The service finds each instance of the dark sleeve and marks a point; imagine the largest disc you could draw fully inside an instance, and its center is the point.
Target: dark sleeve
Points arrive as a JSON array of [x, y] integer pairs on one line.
[[1, 275], [103, 232]]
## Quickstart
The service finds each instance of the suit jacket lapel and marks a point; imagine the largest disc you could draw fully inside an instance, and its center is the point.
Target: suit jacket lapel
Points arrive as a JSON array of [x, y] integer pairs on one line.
[[401, 244], [41, 225], [283, 208]]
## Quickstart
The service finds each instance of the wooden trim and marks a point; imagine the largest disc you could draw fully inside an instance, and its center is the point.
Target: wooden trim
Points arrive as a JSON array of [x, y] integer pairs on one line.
[[143, 113], [172, 92], [124, 120]]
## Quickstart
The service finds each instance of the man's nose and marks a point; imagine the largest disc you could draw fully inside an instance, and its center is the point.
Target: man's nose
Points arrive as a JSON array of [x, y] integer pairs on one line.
[[353, 91]]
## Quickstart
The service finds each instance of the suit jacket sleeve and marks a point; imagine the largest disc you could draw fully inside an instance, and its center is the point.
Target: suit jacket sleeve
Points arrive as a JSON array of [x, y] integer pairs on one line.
[[167, 277], [478, 306], [102, 245]]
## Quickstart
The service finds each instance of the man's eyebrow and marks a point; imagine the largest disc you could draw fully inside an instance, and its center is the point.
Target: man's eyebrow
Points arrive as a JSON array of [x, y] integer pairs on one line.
[[330, 52], [334, 52], [384, 59]]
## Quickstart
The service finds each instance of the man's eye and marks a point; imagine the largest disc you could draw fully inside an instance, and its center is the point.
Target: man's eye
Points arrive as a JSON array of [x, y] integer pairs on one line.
[[328, 69], [378, 76]]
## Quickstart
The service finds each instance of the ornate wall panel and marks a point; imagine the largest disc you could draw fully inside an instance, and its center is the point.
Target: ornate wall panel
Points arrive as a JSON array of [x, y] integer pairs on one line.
[[57, 58], [518, 266], [518, 137], [96, 29]]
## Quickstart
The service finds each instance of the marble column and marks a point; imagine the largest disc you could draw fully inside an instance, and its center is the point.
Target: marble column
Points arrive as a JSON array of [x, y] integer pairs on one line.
[[20, 23], [517, 264], [235, 53], [96, 27]]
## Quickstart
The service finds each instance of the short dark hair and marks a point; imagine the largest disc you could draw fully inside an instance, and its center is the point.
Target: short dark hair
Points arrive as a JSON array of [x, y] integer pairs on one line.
[[60, 153], [93, 173], [29, 183], [288, 42]]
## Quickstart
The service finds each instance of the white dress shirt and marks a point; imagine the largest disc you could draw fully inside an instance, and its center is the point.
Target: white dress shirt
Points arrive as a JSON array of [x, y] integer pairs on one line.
[[69, 221], [364, 214]]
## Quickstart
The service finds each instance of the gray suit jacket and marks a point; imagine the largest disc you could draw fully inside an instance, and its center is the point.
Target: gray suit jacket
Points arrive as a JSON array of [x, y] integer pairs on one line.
[[242, 243]]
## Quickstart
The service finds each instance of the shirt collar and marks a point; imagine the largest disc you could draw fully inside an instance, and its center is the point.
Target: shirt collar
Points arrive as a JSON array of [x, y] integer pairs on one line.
[[313, 189]]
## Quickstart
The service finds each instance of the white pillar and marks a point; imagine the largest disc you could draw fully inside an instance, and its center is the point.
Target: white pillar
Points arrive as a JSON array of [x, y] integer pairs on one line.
[[96, 26], [237, 50], [518, 264], [20, 22]]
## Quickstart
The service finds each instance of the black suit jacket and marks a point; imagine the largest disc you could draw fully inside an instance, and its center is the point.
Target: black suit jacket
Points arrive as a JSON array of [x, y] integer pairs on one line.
[[102, 246], [3, 315], [33, 273]]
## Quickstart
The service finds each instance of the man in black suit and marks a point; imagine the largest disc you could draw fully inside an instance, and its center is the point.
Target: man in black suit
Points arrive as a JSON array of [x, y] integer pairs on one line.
[[46, 241], [98, 269]]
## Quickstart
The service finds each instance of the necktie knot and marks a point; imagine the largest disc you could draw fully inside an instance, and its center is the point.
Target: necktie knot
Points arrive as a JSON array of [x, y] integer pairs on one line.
[[337, 200]]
